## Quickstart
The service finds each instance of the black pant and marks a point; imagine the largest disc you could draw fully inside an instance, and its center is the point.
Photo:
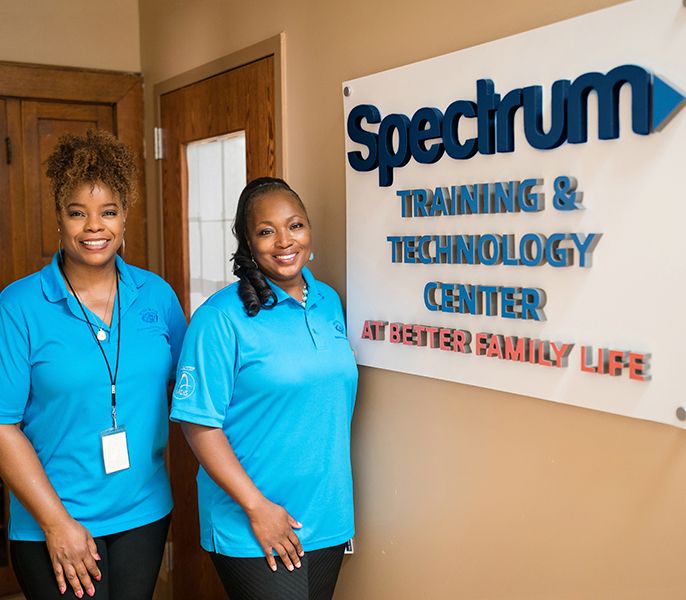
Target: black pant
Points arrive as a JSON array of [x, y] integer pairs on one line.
[[252, 579], [129, 563]]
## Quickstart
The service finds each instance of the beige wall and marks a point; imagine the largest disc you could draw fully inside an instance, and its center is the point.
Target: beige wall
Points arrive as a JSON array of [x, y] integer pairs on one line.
[[461, 492], [96, 34]]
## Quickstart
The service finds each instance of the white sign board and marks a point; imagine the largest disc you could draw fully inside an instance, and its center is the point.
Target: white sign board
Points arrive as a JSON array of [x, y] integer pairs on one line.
[[515, 213]]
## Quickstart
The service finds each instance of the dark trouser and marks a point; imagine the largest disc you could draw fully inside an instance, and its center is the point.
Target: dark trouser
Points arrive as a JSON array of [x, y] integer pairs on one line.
[[252, 579], [129, 563]]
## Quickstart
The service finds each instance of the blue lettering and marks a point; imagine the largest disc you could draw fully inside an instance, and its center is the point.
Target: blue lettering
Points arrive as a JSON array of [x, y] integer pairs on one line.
[[396, 244], [586, 246], [607, 87], [430, 296], [421, 198], [405, 202], [400, 138], [426, 124], [533, 116], [369, 139]]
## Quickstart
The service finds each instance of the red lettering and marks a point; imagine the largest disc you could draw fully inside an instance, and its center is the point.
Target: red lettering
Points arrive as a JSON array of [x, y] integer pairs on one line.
[[408, 338], [587, 365], [367, 331], [494, 347], [395, 333], [615, 362], [481, 341], [461, 341], [639, 366], [515, 352], [432, 336], [543, 354], [444, 339]]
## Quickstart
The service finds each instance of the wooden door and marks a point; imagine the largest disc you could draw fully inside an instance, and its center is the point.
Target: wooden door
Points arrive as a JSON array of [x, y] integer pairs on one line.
[[37, 105], [6, 268], [241, 99]]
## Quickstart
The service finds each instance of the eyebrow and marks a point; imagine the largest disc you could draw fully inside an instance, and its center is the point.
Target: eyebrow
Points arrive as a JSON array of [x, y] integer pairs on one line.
[[80, 205], [288, 219]]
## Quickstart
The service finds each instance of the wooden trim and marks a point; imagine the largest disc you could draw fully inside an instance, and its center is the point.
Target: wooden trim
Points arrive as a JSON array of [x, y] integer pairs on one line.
[[274, 46], [21, 80], [16, 188], [129, 129], [6, 264]]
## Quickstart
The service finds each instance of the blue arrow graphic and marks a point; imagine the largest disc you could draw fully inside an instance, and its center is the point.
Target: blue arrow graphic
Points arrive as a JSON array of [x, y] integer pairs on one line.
[[666, 102]]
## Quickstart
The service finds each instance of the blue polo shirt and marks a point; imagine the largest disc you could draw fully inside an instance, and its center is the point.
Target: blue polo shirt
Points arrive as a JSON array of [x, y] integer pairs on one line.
[[282, 387], [53, 380]]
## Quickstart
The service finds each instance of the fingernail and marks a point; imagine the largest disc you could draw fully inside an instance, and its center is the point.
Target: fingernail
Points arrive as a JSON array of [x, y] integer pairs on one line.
[[290, 567], [98, 577], [91, 592], [79, 594], [302, 553], [273, 567], [297, 565], [62, 589], [97, 556]]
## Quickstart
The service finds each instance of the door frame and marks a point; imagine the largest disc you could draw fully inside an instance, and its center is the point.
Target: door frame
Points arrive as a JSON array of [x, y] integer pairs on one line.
[[122, 90], [274, 46]]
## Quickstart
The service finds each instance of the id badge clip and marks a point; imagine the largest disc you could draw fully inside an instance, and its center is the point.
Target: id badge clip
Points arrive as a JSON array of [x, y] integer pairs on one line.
[[115, 450]]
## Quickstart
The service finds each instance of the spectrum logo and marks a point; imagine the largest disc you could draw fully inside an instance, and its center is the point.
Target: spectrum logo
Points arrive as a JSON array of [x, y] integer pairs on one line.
[[653, 103]]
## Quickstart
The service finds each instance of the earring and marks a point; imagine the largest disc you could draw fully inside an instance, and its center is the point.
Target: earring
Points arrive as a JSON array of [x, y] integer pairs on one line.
[[59, 242], [311, 256], [122, 248]]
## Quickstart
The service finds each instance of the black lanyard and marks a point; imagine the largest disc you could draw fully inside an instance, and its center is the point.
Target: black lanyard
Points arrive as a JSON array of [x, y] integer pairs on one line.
[[113, 378]]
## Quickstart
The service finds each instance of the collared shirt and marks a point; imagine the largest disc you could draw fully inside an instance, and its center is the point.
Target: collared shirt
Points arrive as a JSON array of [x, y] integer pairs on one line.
[[54, 382], [282, 387]]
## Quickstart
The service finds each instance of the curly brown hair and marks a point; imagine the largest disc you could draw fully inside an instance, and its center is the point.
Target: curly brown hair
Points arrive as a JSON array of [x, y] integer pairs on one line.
[[96, 157]]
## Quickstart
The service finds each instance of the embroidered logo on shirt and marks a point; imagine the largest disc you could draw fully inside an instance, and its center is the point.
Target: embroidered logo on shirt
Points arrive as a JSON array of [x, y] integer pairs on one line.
[[149, 315], [185, 384], [339, 327]]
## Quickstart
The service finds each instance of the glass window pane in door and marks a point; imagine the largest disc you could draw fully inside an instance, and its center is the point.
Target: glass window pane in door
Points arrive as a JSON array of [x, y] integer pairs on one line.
[[216, 176]]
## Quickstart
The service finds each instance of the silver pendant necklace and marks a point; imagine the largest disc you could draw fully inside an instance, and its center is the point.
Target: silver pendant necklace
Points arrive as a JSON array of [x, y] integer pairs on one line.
[[102, 334], [306, 290]]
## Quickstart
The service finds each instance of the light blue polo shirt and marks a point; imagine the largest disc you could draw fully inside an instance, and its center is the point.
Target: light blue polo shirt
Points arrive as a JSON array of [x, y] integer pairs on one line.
[[53, 380], [282, 387]]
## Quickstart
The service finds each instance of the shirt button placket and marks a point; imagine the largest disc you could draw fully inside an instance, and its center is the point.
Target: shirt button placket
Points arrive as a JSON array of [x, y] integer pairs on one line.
[[311, 328]]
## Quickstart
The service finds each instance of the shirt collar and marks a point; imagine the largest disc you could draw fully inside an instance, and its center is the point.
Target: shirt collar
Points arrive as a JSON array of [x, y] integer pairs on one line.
[[312, 289], [55, 288]]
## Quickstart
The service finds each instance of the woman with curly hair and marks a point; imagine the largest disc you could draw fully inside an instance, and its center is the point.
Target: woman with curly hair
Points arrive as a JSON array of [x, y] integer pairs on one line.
[[265, 393], [87, 347]]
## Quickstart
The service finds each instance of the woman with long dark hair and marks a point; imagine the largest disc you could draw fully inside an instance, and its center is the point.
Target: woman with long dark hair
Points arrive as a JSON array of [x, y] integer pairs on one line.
[[265, 392]]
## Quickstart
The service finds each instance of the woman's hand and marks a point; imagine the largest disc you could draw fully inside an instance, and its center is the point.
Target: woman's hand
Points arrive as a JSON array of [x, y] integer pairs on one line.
[[70, 545], [73, 554], [273, 528], [272, 525]]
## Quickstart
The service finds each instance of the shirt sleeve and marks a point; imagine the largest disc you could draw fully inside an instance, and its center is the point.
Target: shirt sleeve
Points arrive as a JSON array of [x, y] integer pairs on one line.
[[205, 374], [176, 322], [15, 365]]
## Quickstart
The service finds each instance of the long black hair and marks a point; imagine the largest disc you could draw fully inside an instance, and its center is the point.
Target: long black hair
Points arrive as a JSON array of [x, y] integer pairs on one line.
[[253, 288]]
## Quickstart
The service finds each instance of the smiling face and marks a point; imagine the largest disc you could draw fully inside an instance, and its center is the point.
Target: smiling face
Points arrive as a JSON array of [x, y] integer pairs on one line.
[[280, 238], [91, 226]]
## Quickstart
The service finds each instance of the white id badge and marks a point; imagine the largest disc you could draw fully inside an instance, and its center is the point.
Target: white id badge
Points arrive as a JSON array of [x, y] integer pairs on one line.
[[115, 451]]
